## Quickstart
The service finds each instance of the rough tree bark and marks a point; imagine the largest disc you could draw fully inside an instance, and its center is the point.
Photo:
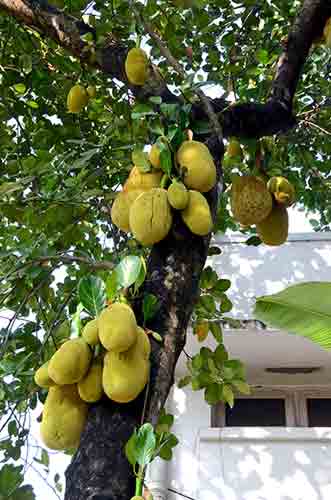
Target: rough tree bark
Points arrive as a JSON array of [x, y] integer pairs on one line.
[[99, 470]]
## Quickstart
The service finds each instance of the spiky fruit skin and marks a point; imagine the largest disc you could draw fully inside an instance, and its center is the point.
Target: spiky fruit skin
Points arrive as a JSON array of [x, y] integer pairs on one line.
[[117, 327], [90, 332], [143, 181], [120, 210], [233, 149], [178, 195], [282, 190], [273, 230], [197, 214], [154, 156], [77, 99], [251, 201], [71, 362], [90, 387], [126, 374], [197, 166], [64, 417], [327, 32], [151, 217], [136, 66], [41, 377]]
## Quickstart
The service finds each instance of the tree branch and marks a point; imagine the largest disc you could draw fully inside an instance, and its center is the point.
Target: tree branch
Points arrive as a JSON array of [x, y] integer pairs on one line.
[[70, 259]]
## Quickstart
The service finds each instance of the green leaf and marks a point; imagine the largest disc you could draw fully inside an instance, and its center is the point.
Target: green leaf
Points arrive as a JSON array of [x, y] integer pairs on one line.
[[166, 160], [241, 386], [216, 331], [142, 275], [184, 381], [92, 294], [140, 160], [254, 241], [128, 271], [7, 188], [208, 278], [227, 395], [23, 493], [10, 478], [111, 285], [145, 444], [131, 449], [304, 309], [150, 306], [213, 394], [20, 88]]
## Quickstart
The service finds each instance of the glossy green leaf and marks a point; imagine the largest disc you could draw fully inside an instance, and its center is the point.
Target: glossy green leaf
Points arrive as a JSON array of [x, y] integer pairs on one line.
[[304, 309], [92, 294]]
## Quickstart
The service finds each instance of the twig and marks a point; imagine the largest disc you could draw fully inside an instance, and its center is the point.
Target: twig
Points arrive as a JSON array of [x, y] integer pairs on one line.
[[178, 68], [180, 494], [72, 259], [312, 124]]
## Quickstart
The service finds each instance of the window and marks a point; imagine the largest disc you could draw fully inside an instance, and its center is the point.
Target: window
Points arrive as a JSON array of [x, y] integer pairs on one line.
[[276, 407]]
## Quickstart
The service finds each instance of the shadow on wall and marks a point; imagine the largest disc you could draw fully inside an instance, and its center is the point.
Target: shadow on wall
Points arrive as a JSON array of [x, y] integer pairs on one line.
[[264, 464], [263, 270]]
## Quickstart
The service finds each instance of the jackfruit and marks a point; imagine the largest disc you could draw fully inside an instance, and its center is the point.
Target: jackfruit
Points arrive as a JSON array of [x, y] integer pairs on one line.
[[42, 378], [273, 230], [233, 148], [197, 214], [282, 190], [71, 362], [143, 343], [117, 327], [125, 374], [120, 210], [90, 387], [151, 217], [251, 201], [177, 195], [197, 165], [327, 32], [136, 66], [77, 99], [91, 91], [154, 156], [64, 417], [90, 332], [143, 181]]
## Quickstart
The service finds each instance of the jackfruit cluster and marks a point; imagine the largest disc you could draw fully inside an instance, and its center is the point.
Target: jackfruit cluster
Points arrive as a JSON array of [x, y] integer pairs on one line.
[[79, 96], [255, 202], [146, 210], [75, 377]]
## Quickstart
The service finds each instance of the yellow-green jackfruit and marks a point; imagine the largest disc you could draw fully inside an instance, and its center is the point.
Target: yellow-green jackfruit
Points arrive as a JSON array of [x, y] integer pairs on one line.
[[274, 229], [136, 66], [71, 362], [64, 417], [178, 195], [125, 374], [151, 217], [90, 332], [117, 327], [77, 99], [197, 166], [120, 211], [233, 148], [154, 156], [141, 180], [251, 201], [282, 190], [42, 378], [90, 387], [197, 214]]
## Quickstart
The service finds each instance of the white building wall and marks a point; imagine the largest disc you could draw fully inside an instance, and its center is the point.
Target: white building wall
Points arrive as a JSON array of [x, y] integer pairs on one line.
[[256, 463]]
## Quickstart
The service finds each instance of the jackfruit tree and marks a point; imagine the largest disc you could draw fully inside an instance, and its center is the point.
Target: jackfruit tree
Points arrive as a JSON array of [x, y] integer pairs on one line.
[[130, 134]]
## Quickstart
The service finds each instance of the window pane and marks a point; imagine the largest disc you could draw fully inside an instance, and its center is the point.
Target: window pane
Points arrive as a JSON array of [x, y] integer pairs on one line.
[[256, 412], [319, 412]]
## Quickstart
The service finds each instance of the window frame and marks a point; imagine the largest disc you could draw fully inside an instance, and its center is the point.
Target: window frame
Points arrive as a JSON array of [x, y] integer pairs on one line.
[[296, 411]]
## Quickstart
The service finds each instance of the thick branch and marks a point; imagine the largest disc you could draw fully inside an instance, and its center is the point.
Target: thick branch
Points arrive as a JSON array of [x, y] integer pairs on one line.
[[68, 31]]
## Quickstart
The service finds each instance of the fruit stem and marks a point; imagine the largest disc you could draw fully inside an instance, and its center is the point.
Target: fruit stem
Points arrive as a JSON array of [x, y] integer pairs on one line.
[[189, 135], [164, 181], [139, 483]]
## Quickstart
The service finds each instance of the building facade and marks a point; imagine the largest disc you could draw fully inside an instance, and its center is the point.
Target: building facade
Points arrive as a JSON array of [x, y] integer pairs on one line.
[[276, 443]]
